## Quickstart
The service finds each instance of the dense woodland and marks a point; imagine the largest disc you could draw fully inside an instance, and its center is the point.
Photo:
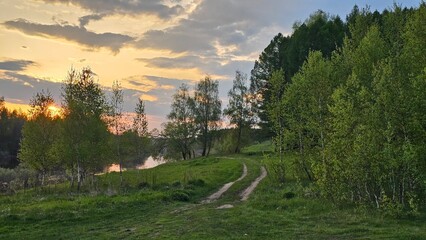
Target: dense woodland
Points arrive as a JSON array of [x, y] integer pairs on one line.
[[348, 97], [356, 114]]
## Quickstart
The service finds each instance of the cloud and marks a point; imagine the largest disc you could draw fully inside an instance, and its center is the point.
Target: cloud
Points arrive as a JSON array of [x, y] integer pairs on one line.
[[208, 65], [214, 26], [80, 35], [16, 65], [156, 91], [175, 40], [150, 7], [22, 87], [147, 84], [86, 19]]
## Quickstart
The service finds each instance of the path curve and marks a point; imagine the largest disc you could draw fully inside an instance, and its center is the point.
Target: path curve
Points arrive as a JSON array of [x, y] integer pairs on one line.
[[224, 188], [246, 193]]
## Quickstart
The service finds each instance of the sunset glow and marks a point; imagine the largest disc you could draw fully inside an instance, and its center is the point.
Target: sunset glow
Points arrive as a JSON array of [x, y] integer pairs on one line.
[[55, 111], [151, 47]]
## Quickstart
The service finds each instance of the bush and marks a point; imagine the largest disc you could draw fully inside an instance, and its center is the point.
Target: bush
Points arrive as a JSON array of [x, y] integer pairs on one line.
[[143, 185], [180, 195], [196, 182], [6, 176], [289, 195], [176, 184], [25, 177]]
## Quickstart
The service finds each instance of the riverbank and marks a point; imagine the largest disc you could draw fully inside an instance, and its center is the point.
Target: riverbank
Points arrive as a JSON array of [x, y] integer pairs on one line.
[[164, 203]]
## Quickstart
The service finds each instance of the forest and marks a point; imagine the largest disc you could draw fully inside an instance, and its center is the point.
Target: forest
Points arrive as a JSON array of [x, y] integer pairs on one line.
[[343, 102]]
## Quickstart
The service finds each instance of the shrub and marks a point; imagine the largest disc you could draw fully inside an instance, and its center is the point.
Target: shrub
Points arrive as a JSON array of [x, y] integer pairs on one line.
[[180, 195], [196, 182], [143, 185], [176, 184], [289, 195], [6, 176]]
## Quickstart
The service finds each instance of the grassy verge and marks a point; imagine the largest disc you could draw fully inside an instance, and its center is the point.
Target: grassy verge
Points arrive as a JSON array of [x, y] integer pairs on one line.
[[148, 210]]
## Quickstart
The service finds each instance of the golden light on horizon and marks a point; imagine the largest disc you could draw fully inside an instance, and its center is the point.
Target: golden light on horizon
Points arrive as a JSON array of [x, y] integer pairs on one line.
[[55, 111]]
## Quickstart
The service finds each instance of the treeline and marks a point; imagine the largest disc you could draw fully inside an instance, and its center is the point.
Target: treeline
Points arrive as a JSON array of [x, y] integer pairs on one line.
[[356, 114], [196, 123], [84, 138], [11, 123]]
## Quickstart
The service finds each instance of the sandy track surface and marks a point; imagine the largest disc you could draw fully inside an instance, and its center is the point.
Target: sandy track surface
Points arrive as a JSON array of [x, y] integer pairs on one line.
[[246, 193], [224, 188]]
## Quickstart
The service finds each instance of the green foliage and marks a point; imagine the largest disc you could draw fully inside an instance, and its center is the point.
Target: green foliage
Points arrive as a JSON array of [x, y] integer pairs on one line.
[[181, 130], [275, 108], [319, 32], [11, 123], [207, 111], [140, 123], [6, 176], [374, 154], [239, 109], [39, 135], [84, 131], [265, 147], [149, 213], [356, 115], [180, 195]]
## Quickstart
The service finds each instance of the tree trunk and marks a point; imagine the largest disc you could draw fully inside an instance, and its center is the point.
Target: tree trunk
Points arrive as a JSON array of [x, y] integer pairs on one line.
[[79, 177], [302, 157], [205, 137], [321, 132], [240, 129], [43, 175], [121, 166], [210, 146]]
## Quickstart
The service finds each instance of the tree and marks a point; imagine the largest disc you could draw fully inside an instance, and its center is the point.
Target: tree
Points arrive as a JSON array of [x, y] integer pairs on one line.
[[238, 110], [140, 127], [306, 109], [140, 123], [116, 115], [181, 129], [351, 112], [84, 131], [319, 32], [39, 135], [207, 110], [11, 123], [270, 60], [276, 112]]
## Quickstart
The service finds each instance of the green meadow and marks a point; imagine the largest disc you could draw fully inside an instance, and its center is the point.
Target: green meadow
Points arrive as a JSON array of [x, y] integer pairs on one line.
[[164, 203]]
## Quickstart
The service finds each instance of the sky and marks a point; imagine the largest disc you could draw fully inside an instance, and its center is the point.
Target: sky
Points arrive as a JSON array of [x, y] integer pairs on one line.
[[150, 46]]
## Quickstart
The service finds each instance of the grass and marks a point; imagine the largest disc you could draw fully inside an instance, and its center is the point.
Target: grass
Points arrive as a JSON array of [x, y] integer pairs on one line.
[[259, 149], [149, 210]]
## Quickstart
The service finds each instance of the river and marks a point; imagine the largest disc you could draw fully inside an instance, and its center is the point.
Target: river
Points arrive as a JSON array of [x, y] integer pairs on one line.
[[150, 162]]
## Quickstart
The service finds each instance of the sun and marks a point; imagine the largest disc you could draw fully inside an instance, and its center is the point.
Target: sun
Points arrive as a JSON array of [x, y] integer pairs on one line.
[[55, 111]]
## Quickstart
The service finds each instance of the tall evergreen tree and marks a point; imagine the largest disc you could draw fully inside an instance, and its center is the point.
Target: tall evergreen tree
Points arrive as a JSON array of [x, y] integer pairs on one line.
[[11, 123], [319, 32]]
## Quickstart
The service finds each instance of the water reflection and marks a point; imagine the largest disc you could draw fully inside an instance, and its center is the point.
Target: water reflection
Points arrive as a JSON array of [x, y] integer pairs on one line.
[[150, 162]]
